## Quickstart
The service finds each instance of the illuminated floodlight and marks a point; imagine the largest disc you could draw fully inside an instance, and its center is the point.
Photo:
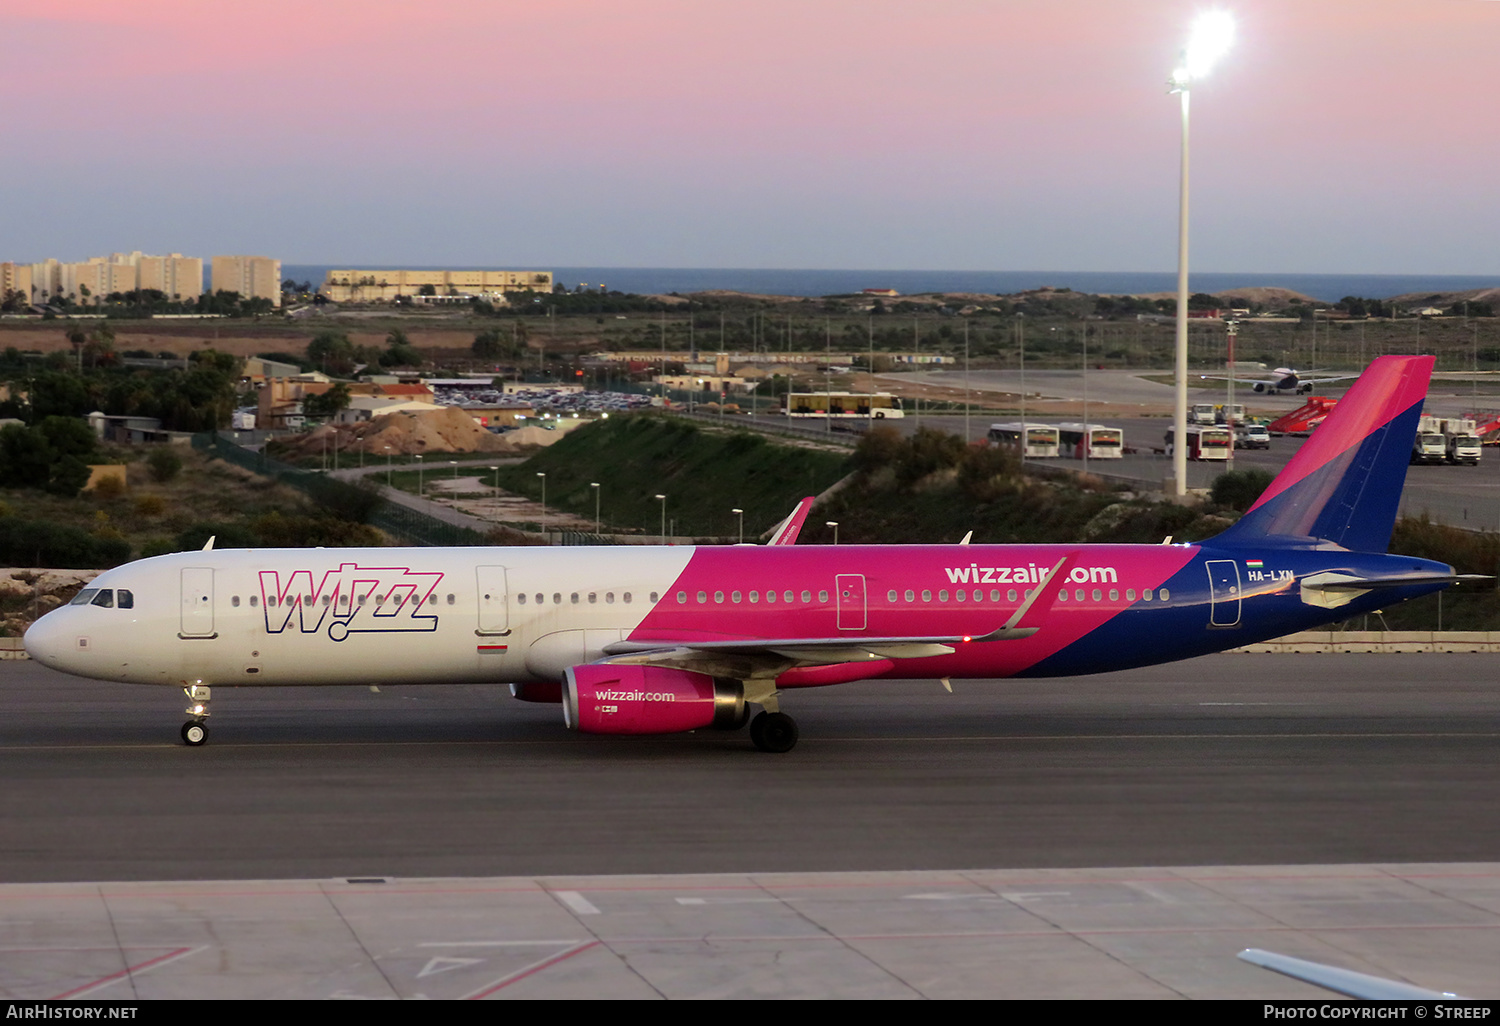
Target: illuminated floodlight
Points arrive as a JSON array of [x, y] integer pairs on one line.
[[1212, 35]]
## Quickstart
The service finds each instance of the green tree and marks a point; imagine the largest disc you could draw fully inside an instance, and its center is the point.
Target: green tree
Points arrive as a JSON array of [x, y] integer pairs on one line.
[[25, 457], [328, 404], [331, 352]]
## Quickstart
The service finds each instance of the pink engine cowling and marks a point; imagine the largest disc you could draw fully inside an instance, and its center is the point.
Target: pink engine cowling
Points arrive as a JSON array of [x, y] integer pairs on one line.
[[603, 699]]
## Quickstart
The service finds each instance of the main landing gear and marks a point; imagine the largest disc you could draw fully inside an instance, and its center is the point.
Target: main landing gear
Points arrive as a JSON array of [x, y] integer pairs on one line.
[[195, 730], [773, 732]]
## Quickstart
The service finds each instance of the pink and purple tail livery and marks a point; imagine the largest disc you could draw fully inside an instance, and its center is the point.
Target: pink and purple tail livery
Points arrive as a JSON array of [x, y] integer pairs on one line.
[[1344, 484]]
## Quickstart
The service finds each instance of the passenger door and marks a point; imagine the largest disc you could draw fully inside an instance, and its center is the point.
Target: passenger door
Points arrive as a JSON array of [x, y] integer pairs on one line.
[[1224, 592], [850, 590], [494, 603], [197, 602]]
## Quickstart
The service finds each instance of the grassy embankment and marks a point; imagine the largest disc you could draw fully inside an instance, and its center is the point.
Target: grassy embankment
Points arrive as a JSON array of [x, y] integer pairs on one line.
[[704, 473]]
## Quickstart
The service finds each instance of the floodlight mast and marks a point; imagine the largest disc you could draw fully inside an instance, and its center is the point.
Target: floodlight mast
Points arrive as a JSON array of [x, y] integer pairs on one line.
[[1212, 34]]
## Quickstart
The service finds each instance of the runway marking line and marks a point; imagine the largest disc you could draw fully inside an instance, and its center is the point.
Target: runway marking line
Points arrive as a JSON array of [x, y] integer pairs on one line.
[[149, 964], [531, 970]]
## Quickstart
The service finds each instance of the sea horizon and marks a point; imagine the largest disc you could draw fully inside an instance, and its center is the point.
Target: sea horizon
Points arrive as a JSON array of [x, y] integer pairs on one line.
[[811, 283]]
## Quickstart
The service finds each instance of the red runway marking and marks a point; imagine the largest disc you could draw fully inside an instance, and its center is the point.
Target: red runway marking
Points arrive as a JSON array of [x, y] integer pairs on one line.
[[529, 971], [112, 977]]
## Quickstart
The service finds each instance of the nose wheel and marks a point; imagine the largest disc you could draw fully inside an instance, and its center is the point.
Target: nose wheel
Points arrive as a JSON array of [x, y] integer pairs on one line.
[[195, 731], [773, 732]]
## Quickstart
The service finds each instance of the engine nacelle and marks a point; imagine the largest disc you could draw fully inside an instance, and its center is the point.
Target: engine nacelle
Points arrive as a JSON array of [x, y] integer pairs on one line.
[[605, 699], [1260, 386]]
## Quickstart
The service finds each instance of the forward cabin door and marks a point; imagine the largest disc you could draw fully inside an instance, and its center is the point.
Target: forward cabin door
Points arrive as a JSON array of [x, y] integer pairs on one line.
[[1224, 592], [494, 601], [850, 589], [197, 602]]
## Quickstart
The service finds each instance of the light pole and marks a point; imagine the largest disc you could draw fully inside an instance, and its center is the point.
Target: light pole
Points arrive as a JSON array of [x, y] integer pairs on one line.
[[388, 466], [496, 472], [419, 475], [741, 515], [1212, 34], [543, 475], [663, 500], [595, 486], [835, 525]]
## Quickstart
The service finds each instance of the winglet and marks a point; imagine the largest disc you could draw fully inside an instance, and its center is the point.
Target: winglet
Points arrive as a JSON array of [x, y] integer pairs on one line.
[[786, 532], [1039, 602]]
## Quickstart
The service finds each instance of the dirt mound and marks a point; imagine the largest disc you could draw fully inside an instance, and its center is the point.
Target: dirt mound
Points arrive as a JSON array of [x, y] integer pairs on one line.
[[406, 433]]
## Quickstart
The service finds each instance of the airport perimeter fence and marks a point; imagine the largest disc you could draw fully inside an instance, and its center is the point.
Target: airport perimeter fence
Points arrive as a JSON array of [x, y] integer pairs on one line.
[[409, 525]]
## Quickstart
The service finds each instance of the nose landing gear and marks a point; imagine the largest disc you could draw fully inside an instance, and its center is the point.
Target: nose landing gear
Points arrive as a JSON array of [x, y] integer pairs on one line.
[[195, 730]]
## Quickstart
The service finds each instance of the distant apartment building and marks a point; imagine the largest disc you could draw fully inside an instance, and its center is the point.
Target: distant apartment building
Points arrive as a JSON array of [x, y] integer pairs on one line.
[[439, 286], [90, 281], [175, 276], [251, 276]]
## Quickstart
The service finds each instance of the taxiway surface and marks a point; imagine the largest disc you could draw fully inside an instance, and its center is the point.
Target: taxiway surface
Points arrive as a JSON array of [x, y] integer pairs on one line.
[[1224, 760]]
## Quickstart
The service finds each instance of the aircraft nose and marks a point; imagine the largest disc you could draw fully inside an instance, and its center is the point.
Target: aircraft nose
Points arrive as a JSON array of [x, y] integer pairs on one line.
[[48, 640]]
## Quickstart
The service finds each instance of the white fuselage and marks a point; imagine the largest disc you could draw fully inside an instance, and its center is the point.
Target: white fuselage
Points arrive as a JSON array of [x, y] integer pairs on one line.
[[329, 616]]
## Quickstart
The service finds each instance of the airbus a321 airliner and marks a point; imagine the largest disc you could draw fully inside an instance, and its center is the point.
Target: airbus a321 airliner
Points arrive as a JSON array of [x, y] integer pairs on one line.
[[655, 640]]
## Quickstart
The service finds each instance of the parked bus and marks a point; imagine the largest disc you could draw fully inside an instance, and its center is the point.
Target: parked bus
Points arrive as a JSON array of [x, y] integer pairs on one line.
[[1205, 443], [1103, 443], [845, 405], [1041, 439]]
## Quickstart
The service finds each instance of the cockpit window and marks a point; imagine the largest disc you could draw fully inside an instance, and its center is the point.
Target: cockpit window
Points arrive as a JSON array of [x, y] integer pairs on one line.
[[125, 599], [105, 598], [84, 597]]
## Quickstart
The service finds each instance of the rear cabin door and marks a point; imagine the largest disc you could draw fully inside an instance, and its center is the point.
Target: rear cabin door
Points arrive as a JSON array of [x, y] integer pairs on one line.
[[1224, 592], [494, 603], [851, 601], [197, 602]]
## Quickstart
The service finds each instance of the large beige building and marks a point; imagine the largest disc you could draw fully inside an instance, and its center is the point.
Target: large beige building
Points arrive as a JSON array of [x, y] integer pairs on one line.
[[385, 286], [251, 276]]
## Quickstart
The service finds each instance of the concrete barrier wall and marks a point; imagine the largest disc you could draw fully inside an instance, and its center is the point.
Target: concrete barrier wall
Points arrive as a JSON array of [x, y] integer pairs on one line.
[[1381, 641]]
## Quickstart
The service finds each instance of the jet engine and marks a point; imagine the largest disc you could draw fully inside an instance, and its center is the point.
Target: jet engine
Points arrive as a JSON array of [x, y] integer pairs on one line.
[[605, 699], [1260, 386]]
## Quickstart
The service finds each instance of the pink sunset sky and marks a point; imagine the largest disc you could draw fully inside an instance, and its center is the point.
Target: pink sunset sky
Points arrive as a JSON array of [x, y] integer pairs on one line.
[[1337, 135]]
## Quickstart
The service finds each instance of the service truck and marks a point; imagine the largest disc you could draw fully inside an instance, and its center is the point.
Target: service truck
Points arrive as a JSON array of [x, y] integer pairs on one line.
[[1461, 440], [1430, 445]]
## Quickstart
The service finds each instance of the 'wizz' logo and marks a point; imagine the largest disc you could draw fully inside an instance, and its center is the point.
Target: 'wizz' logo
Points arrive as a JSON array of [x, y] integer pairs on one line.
[[350, 600]]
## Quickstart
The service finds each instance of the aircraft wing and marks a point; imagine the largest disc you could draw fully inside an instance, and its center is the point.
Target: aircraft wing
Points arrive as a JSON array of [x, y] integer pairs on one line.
[[1340, 981], [786, 532], [1323, 381]]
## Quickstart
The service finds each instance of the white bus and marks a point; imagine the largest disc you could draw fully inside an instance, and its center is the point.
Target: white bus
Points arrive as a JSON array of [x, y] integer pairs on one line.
[[1041, 439], [1206, 443], [1103, 443], [844, 405]]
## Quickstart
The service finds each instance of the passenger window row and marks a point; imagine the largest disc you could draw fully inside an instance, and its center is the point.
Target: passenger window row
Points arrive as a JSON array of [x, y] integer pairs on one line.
[[343, 600], [574, 598]]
